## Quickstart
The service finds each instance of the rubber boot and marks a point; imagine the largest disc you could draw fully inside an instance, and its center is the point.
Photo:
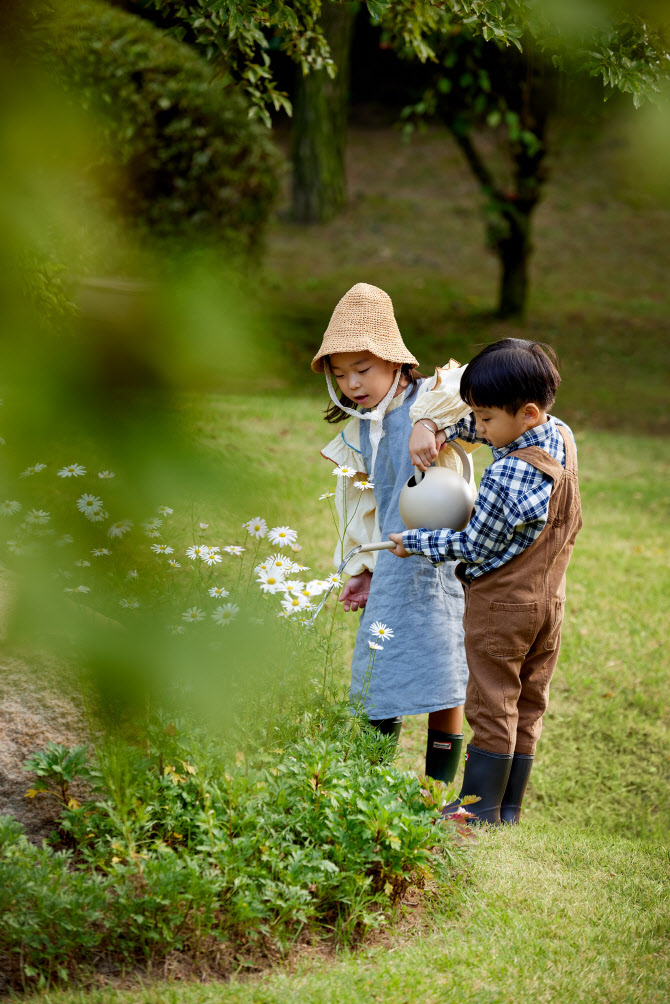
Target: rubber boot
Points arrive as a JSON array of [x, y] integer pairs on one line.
[[443, 754], [485, 775], [388, 726], [510, 807]]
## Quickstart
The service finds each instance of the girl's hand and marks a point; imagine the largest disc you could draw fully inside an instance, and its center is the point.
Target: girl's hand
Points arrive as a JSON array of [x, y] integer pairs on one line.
[[355, 593], [423, 449], [399, 549]]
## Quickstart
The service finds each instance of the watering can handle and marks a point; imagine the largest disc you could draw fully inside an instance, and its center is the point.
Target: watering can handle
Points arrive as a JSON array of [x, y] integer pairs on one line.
[[465, 460], [383, 545]]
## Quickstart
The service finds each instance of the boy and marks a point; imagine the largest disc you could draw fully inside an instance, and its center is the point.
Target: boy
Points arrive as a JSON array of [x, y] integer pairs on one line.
[[513, 556]]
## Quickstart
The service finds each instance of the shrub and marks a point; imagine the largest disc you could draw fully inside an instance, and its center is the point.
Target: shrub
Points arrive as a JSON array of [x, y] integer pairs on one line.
[[182, 159], [177, 852]]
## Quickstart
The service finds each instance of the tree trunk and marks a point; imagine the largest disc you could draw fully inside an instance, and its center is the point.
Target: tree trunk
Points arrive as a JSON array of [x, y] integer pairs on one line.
[[514, 251], [319, 125]]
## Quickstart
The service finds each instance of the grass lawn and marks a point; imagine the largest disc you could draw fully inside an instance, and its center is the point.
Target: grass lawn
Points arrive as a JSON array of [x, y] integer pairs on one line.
[[572, 905]]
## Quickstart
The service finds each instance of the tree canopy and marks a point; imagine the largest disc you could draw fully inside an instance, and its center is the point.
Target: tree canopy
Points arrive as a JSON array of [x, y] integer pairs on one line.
[[623, 43]]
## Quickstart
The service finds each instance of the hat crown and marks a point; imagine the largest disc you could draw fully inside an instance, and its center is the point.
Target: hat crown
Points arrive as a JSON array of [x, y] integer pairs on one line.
[[364, 320]]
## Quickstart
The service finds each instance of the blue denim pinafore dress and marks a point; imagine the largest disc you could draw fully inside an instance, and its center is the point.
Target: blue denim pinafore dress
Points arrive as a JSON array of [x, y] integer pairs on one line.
[[423, 667]]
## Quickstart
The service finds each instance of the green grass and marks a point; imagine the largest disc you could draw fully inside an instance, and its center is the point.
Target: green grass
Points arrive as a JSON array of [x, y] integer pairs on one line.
[[548, 915], [572, 905]]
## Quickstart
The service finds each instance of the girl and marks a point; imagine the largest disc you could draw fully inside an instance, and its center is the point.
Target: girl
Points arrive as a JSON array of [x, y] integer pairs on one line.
[[422, 668]]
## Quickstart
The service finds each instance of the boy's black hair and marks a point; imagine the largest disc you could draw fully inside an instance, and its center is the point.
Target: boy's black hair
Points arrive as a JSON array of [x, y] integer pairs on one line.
[[333, 414], [511, 373]]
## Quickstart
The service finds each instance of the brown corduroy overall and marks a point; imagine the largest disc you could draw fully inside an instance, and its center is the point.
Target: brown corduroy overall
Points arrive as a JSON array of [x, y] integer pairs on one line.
[[513, 618]]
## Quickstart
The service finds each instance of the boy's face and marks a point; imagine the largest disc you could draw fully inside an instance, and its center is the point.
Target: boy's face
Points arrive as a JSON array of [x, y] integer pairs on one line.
[[363, 377], [499, 428]]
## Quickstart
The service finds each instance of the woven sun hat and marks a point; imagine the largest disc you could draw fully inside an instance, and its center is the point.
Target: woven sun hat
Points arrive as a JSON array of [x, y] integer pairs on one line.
[[363, 321]]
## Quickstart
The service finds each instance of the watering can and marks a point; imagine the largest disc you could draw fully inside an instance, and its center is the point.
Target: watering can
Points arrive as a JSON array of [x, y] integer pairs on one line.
[[438, 499]]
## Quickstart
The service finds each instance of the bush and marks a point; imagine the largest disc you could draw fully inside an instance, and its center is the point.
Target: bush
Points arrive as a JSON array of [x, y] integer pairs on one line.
[[176, 852], [182, 159]]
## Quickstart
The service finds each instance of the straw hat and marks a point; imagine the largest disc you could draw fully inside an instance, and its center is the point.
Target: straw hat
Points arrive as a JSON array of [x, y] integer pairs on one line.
[[363, 321]]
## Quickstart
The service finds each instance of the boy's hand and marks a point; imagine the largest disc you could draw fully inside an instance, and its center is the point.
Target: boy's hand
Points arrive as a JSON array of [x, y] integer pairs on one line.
[[355, 593], [399, 549], [423, 449]]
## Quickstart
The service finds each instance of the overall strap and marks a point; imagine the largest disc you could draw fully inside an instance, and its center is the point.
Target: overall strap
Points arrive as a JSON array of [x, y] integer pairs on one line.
[[540, 459], [570, 450]]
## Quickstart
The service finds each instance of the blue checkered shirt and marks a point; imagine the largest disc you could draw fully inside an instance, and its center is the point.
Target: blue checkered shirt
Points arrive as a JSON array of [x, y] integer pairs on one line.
[[510, 509]]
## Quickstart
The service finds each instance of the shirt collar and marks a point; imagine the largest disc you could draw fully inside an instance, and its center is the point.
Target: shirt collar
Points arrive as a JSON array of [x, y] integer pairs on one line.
[[540, 436]]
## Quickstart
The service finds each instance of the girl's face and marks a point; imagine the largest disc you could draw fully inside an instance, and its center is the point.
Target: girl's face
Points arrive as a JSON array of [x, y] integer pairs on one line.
[[363, 377]]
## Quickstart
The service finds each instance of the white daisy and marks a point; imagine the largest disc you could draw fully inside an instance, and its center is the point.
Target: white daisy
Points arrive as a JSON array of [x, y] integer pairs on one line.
[[152, 525], [316, 586], [121, 528], [327, 495], [263, 567], [165, 510], [377, 648], [176, 629], [15, 546], [8, 508], [256, 527], [203, 526], [280, 536], [363, 485], [83, 564], [271, 574], [174, 564], [129, 604], [293, 586], [97, 517], [234, 549], [99, 551], [196, 551], [225, 614], [193, 614], [37, 517], [218, 591], [73, 471], [211, 558], [89, 504], [106, 474], [300, 568], [333, 579], [32, 470], [296, 601], [214, 550], [132, 574], [284, 614], [380, 630], [296, 547], [343, 472], [67, 538], [278, 563], [78, 589], [162, 548]]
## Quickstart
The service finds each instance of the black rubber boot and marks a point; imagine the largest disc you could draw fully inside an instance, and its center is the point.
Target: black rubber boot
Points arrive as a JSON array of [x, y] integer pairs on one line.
[[388, 726], [485, 775], [510, 807], [443, 754]]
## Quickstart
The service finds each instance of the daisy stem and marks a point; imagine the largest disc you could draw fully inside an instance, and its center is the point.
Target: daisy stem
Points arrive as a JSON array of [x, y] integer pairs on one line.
[[239, 577], [251, 573], [329, 649]]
